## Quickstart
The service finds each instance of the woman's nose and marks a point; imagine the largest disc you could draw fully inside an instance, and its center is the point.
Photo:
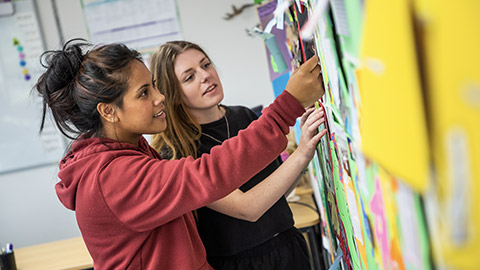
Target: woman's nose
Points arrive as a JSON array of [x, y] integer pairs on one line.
[[204, 75], [158, 98]]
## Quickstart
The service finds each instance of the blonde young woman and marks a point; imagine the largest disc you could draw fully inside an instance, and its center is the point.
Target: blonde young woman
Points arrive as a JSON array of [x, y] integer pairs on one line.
[[252, 227]]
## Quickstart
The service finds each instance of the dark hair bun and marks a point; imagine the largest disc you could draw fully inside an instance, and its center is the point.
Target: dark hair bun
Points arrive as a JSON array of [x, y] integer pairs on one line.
[[56, 85], [62, 65]]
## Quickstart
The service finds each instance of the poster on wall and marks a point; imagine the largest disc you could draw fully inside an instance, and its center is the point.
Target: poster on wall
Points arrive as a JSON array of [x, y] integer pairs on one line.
[[139, 24]]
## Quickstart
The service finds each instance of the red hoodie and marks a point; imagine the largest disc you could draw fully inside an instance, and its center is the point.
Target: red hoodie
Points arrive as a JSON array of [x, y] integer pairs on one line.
[[134, 210]]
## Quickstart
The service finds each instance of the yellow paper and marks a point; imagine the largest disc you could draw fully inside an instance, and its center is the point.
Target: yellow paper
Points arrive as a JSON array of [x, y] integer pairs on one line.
[[452, 53], [392, 118]]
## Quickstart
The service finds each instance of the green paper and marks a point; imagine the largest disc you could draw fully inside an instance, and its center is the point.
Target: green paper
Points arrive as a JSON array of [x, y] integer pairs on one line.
[[274, 65], [351, 44], [343, 89], [424, 242], [343, 210]]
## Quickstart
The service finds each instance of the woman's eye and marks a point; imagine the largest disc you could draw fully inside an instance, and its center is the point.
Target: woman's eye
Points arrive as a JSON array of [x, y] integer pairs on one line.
[[188, 78], [207, 65], [144, 93]]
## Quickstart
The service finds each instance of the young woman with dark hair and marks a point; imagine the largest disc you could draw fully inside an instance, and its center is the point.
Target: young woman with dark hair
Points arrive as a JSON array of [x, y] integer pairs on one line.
[[134, 209]]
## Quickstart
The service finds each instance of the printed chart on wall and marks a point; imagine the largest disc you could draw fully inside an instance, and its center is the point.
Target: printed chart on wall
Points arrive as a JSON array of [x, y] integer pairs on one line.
[[21, 146], [140, 24]]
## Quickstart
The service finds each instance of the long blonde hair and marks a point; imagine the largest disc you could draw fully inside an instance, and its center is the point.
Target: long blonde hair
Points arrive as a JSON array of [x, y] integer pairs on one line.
[[182, 132]]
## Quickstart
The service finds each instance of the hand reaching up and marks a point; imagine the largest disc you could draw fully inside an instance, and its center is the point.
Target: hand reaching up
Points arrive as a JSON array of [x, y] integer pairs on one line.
[[305, 83]]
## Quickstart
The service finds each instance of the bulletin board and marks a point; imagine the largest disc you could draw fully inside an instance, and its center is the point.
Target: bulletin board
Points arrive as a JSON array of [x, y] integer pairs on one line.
[[21, 44], [370, 218]]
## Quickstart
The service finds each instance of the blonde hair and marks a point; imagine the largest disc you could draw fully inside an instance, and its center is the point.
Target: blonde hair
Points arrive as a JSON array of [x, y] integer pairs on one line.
[[182, 132]]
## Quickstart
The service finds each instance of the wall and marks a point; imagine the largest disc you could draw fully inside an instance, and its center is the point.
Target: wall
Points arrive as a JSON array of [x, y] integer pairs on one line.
[[240, 59], [30, 212]]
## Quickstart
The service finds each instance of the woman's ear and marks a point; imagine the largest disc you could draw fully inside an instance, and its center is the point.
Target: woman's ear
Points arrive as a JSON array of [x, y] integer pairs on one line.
[[106, 111]]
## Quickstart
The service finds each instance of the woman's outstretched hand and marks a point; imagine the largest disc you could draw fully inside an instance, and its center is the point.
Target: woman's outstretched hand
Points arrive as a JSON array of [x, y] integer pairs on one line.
[[310, 136], [305, 83]]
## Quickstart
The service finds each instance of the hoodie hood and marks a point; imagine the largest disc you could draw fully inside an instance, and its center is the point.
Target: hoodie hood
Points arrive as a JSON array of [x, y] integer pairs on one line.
[[86, 159]]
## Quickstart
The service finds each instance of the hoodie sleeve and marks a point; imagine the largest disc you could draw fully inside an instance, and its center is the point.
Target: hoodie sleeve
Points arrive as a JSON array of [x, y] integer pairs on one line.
[[144, 193]]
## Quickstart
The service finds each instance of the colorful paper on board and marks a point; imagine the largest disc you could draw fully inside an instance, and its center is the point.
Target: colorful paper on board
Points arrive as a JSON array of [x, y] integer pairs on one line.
[[345, 221], [380, 227], [265, 13]]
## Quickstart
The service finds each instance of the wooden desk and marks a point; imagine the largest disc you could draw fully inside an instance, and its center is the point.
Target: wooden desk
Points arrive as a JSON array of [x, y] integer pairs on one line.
[[302, 190], [303, 215], [61, 255]]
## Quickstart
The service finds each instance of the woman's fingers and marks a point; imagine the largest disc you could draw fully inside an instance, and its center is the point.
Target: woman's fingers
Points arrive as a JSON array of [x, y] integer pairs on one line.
[[312, 117], [304, 117], [312, 129], [311, 63], [318, 136], [315, 125]]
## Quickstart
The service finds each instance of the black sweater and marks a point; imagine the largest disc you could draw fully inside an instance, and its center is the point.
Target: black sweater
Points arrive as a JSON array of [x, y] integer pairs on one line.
[[223, 235]]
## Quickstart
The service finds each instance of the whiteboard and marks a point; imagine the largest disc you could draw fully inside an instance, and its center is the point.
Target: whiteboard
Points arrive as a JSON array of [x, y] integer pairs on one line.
[[21, 44]]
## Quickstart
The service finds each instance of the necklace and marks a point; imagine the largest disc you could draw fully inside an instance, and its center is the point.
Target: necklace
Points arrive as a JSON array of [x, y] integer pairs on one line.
[[228, 132]]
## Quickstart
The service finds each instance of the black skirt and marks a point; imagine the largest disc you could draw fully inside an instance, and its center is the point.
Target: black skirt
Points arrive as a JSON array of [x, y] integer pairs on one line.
[[286, 251]]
